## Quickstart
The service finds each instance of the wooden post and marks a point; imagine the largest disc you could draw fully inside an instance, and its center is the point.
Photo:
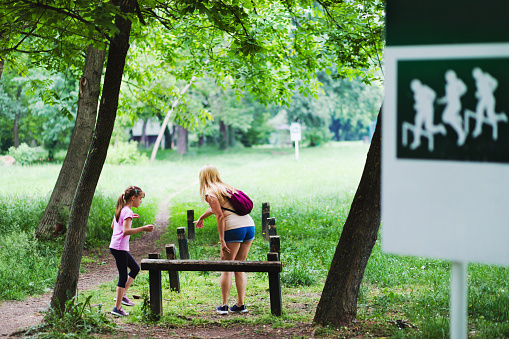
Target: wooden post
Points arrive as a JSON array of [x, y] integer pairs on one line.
[[276, 305], [156, 292], [275, 245], [183, 249], [271, 224], [265, 216], [190, 224], [171, 254]]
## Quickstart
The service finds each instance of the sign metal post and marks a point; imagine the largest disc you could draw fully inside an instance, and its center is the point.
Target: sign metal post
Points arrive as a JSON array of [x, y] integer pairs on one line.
[[295, 135]]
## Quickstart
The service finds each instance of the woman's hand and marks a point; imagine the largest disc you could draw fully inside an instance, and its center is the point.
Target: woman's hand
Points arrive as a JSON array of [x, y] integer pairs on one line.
[[199, 223], [224, 247], [148, 228]]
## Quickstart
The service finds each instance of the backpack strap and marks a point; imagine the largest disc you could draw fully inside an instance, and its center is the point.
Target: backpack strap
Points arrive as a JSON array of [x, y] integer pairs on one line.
[[224, 208]]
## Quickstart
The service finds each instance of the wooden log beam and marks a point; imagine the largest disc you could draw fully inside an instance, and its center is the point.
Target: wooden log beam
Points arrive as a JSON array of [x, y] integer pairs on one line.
[[171, 254], [211, 265], [156, 292]]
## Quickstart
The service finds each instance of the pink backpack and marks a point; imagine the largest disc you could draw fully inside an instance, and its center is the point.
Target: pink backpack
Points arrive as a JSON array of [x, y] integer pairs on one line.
[[240, 202]]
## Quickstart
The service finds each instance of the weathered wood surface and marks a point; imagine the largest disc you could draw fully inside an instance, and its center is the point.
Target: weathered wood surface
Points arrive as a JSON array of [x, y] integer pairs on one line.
[[211, 265]]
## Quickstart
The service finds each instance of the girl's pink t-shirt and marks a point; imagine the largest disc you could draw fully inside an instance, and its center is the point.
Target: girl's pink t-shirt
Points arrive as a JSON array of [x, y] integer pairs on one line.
[[119, 241]]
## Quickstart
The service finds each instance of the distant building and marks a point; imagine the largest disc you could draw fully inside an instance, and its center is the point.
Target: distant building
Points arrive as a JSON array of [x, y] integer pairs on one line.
[[151, 132]]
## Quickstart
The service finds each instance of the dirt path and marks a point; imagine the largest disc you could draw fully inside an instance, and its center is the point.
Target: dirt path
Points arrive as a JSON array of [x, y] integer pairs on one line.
[[17, 315]]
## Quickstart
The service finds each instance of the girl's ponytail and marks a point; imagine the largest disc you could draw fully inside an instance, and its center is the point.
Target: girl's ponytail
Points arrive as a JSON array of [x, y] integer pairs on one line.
[[131, 191]]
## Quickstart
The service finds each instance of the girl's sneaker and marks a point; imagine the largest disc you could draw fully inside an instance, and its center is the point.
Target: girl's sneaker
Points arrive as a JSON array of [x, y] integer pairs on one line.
[[125, 301], [119, 311], [238, 309], [222, 309]]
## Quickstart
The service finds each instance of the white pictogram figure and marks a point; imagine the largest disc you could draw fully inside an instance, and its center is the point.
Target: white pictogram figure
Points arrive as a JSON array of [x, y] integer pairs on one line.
[[424, 98], [486, 86], [455, 88]]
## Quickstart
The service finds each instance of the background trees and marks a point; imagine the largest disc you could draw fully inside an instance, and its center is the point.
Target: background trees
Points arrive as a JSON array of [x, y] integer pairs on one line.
[[269, 50]]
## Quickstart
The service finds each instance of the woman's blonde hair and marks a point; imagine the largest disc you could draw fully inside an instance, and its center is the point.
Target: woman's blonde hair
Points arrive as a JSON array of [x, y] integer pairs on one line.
[[210, 181], [131, 191]]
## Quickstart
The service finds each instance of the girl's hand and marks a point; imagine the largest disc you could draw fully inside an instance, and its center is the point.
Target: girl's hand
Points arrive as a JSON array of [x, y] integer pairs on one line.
[[148, 228], [199, 223], [136, 215]]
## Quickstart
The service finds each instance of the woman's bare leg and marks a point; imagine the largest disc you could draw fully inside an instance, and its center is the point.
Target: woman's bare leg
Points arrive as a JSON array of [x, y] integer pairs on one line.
[[240, 277], [226, 277]]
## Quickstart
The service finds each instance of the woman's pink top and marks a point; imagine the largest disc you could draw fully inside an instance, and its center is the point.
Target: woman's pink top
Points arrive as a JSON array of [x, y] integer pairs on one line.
[[119, 241]]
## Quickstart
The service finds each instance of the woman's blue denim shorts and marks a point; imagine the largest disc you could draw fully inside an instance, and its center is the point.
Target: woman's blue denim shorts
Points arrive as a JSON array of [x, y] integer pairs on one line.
[[241, 234]]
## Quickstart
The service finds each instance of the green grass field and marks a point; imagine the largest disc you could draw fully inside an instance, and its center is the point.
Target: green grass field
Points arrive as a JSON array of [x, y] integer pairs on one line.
[[310, 200]]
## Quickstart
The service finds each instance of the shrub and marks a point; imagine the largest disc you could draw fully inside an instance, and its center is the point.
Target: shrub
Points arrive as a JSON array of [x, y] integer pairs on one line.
[[122, 153], [297, 275], [26, 155], [20, 213], [26, 268], [78, 320]]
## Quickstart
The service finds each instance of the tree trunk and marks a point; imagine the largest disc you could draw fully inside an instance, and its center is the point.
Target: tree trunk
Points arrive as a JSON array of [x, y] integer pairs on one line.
[[223, 142], [68, 272], [201, 141], [338, 303], [231, 136], [15, 128], [166, 119], [2, 62], [63, 193], [143, 138], [182, 141]]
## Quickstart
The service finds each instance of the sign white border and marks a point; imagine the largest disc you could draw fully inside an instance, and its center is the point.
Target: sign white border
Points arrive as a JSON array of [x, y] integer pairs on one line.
[[445, 209]]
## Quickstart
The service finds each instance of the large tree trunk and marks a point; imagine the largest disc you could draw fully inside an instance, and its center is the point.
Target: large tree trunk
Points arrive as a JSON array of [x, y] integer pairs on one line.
[[68, 272], [65, 187], [338, 303], [182, 141], [2, 62]]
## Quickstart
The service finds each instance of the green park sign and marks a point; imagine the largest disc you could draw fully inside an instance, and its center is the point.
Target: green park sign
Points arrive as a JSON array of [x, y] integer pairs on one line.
[[445, 137]]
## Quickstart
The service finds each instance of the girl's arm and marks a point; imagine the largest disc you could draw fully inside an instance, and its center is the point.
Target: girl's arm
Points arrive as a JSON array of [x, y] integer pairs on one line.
[[113, 223], [127, 230], [216, 209], [205, 215]]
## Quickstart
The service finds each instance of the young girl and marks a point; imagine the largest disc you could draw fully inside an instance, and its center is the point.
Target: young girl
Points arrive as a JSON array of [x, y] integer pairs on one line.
[[236, 233], [119, 245]]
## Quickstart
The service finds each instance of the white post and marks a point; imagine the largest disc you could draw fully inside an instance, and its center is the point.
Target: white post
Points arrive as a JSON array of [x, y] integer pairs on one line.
[[458, 325], [297, 150]]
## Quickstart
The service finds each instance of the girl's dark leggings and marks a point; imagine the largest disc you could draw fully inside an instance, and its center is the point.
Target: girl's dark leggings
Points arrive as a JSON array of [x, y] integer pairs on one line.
[[125, 260]]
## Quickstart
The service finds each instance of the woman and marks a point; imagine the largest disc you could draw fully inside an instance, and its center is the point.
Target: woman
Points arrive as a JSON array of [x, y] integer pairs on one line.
[[236, 233]]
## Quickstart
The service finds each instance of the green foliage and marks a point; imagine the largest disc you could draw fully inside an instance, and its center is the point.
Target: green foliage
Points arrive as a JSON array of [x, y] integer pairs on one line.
[[26, 155], [77, 320], [294, 276], [125, 153], [26, 266], [20, 213], [310, 200]]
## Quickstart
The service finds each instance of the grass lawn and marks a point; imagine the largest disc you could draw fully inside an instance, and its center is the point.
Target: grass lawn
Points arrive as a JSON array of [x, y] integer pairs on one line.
[[400, 297]]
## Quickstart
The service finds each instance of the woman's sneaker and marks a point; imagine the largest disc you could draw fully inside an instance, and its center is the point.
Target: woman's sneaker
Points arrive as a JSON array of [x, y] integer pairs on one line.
[[119, 311], [238, 309], [222, 309], [125, 301]]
